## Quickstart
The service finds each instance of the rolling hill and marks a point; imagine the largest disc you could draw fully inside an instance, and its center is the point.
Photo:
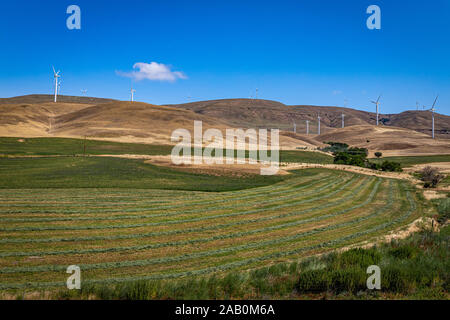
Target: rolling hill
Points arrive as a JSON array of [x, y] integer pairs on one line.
[[392, 141], [145, 123], [266, 113], [46, 98]]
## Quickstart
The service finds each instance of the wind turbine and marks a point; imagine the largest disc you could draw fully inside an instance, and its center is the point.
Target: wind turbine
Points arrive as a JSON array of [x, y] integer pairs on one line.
[[432, 115], [83, 92], [295, 127], [256, 94], [318, 126], [343, 115], [417, 105], [377, 103], [307, 126], [56, 76], [132, 91]]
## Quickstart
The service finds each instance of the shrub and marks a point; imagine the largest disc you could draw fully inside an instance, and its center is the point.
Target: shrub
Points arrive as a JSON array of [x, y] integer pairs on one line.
[[394, 278], [391, 166], [404, 252], [378, 154], [335, 147], [350, 279], [314, 281], [443, 210], [358, 257], [431, 176]]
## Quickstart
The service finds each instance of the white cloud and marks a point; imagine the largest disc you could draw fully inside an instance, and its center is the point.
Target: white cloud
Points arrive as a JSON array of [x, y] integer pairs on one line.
[[153, 71]]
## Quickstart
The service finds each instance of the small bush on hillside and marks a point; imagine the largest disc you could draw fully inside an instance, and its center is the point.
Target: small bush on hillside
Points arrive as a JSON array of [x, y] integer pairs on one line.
[[403, 252], [431, 176], [358, 157], [374, 166], [357, 257], [335, 147], [352, 156], [391, 166]]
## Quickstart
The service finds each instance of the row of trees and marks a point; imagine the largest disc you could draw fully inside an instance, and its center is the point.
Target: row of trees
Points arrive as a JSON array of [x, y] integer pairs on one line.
[[344, 154]]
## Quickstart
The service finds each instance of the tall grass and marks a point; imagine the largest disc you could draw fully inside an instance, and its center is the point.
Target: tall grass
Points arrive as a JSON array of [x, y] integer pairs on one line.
[[416, 267]]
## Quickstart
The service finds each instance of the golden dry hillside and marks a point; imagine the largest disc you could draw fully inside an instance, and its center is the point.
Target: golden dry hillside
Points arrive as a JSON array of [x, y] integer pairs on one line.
[[392, 141], [273, 114], [146, 123], [116, 121]]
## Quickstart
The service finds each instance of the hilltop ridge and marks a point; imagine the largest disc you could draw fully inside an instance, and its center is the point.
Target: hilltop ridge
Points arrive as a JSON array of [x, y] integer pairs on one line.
[[140, 122]]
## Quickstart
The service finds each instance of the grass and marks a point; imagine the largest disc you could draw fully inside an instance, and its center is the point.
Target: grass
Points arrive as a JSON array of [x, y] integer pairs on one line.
[[408, 161], [143, 231], [71, 147], [305, 157], [128, 234], [94, 172], [68, 146], [413, 268], [446, 181]]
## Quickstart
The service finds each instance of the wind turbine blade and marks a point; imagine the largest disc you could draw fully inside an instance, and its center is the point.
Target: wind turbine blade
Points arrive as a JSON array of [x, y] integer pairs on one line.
[[435, 101], [53, 69], [379, 98]]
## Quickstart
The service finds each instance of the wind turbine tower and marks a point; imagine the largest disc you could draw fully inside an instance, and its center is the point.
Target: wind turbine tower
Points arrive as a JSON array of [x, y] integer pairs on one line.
[[343, 123], [56, 76], [295, 127], [132, 91], [377, 103], [432, 116], [256, 94], [318, 126], [307, 126]]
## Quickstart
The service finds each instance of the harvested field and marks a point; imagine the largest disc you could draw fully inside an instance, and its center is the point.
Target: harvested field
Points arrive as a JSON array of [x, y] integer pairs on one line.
[[125, 234]]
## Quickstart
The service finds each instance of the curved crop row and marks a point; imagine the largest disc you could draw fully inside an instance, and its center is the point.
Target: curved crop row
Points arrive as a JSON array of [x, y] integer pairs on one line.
[[202, 240], [91, 227], [288, 195], [188, 230], [240, 263]]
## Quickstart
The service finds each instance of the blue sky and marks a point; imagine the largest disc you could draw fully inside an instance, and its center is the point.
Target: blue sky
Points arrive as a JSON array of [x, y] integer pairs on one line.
[[297, 52]]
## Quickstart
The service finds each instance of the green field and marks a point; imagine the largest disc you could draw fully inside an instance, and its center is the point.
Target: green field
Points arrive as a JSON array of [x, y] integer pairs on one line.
[[67, 146], [124, 220], [412, 160], [105, 172], [71, 147], [126, 233]]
